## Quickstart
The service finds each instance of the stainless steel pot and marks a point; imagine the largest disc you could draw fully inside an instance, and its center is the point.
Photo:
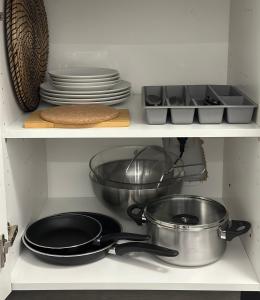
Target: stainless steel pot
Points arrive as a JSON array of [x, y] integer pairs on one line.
[[198, 228]]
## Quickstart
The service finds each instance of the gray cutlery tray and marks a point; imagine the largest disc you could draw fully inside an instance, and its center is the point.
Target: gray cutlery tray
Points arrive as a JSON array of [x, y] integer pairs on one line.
[[239, 107], [184, 102], [207, 114], [155, 115], [182, 108]]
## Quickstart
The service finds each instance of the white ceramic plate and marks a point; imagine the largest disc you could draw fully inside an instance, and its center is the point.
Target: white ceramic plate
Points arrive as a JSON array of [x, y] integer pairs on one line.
[[120, 87], [90, 96], [85, 84], [71, 99], [84, 87], [80, 73], [85, 80], [113, 102]]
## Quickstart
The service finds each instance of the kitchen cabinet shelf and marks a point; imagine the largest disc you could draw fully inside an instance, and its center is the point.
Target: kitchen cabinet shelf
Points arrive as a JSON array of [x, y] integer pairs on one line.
[[232, 273], [137, 129]]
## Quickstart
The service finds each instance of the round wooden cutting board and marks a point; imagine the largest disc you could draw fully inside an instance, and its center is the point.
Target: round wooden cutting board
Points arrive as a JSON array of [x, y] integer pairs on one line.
[[79, 114], [27, 42]]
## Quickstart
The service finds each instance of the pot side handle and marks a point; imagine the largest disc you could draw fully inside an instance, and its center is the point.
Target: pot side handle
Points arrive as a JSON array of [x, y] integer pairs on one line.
[[136, 212], [127, 248], [236, 229]]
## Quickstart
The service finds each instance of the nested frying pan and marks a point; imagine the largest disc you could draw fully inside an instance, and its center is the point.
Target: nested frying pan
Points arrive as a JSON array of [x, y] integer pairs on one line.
[[68, 233], [93, 252]]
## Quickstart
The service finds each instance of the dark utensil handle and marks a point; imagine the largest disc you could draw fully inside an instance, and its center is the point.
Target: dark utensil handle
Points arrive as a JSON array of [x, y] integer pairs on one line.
[[236, 229], [115, 237], [143, 247], [135, 212]]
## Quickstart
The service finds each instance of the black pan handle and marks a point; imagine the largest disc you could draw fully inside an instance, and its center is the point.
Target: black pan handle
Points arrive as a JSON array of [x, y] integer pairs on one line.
[[115, 237], [127, 248], [136, 212], [236, 229]]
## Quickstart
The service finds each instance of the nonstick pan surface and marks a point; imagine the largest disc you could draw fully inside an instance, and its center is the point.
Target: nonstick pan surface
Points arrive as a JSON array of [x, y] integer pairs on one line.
[[66, 231]]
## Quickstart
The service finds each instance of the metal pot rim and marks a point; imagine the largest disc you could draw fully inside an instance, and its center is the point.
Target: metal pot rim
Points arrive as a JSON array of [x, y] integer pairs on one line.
[[157, 222]]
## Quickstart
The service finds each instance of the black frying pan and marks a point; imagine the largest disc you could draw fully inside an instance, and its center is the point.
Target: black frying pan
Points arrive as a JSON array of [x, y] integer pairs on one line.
[[68, 233], [94, 252]]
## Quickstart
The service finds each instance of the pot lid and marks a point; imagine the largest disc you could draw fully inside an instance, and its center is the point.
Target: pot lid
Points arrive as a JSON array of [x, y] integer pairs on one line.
[[186, 212]]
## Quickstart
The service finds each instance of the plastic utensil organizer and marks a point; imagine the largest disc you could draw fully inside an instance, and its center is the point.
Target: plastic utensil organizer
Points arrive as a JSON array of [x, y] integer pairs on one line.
[[209, 104]]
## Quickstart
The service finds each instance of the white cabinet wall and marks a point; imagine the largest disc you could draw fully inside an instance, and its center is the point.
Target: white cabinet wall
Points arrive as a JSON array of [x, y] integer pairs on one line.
[[150, 42]]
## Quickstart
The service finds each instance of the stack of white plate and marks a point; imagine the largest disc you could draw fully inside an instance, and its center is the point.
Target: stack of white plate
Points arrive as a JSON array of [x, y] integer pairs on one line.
[[85, 86]]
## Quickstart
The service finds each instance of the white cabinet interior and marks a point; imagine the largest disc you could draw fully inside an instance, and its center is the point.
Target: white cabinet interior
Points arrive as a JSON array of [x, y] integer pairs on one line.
[[150, 42]]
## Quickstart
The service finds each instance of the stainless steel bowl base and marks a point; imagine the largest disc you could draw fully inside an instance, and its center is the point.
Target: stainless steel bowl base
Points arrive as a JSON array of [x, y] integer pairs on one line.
[[119, 199]]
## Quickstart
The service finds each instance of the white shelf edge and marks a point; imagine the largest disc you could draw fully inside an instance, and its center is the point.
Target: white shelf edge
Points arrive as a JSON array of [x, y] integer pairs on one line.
[[233, 272], [137, 129], [136, 287]]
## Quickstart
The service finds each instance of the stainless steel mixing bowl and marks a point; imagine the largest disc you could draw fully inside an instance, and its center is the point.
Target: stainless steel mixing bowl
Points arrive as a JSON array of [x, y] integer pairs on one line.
[[129, 175], [135, 165], [118, 197]]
